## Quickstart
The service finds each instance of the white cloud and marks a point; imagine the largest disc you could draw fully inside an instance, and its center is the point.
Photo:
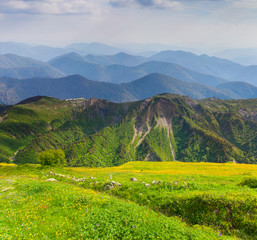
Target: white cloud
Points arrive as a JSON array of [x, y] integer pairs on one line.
[[159, 4], [246, 4], [58, 7]]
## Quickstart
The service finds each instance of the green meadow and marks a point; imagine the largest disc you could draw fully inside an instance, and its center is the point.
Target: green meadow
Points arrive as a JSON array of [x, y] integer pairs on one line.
[[166, 200]]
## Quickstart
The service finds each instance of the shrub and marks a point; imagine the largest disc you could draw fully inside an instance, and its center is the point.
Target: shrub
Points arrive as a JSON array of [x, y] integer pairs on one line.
[[52, 157], [4, 159], [250, 182]]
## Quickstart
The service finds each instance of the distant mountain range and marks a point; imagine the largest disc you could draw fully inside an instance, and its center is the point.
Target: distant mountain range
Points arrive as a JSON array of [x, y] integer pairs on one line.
[[22, 67], [45, 53], [204, 64], [185, 66], [248, 74], [94, 48], [120, 58], [244, 56], [75, 86], [123, 67], [73, 63], [238, 90]]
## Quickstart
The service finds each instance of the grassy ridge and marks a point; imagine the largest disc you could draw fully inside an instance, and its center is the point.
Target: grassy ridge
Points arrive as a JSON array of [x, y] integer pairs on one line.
[[162, 128]]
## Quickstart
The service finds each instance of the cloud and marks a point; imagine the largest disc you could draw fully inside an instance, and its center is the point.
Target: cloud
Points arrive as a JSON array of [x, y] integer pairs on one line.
[[54, 7], [160, 4], [184, 4], [246, 4]]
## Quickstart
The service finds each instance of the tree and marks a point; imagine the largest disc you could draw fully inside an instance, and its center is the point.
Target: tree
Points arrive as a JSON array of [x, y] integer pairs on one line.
[[52, 157]]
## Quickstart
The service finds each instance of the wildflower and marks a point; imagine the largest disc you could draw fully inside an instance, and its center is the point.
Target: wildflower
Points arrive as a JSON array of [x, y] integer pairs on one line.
[[93, 229], [97, 224], [219, 233], [134, 227]]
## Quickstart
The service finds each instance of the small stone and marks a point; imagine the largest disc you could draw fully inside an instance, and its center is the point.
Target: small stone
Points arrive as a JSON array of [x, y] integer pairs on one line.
[[51, 180], [118, 184], [108, 187], [92, 177], [6, 189], [154, 182], [133, 179], [147, 185], [112, 183]]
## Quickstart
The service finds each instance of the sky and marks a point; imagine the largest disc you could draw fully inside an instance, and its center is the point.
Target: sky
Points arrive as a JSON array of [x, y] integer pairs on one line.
[[197, 24]]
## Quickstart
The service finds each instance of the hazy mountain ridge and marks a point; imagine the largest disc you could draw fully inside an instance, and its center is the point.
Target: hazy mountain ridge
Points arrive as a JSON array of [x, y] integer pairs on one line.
[[218, 67], [120, 58], [22, 67], [75, 64], [94, 48], [76, 86], [45, 53], [240, 89], [248, 74]]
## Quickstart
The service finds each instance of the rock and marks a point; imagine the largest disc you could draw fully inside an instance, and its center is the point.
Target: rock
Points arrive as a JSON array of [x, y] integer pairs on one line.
[[60, 175], [112, 183], [143, 182], [118, 184], [51, 180], [108, 187], [133, 179], [92, 177], [147, 185], [154, 182], [6, 189]]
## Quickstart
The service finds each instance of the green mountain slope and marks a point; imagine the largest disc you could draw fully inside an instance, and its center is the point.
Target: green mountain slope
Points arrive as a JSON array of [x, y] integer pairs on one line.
[[100, 133]]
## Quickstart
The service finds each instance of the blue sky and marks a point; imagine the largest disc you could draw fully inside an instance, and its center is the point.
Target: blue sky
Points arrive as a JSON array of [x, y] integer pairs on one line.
[[204, 24]]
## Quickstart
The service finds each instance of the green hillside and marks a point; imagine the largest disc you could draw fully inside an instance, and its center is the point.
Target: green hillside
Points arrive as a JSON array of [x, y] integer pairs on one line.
[[101, 133]]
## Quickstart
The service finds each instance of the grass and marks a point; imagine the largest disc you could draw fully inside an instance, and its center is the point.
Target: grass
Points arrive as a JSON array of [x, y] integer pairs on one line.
[[193, 201]]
